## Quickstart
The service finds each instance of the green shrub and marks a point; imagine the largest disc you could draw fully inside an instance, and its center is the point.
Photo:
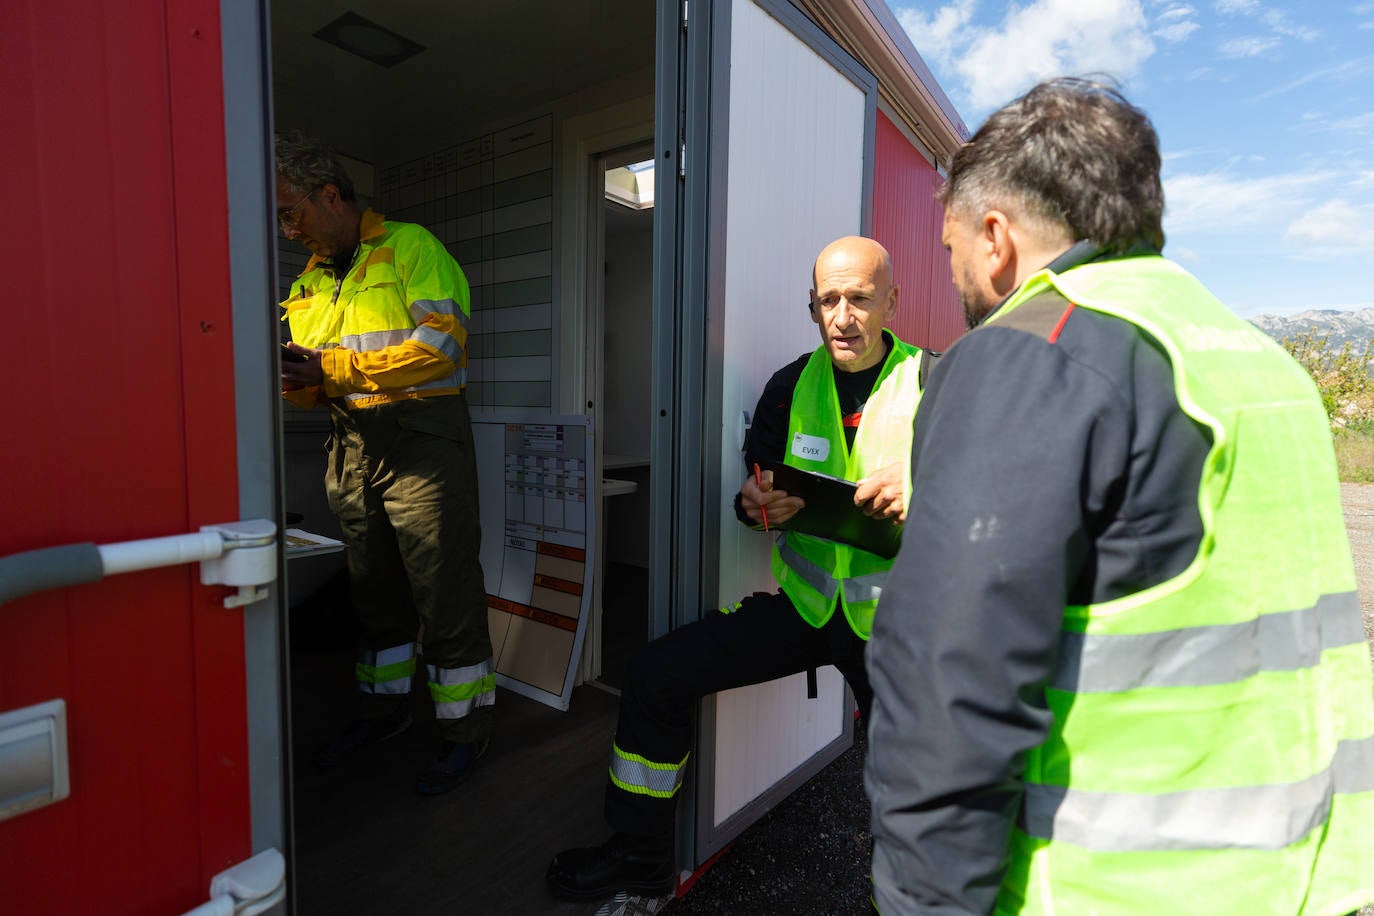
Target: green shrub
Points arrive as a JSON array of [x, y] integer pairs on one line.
[[1342, 377], [1347, 392]]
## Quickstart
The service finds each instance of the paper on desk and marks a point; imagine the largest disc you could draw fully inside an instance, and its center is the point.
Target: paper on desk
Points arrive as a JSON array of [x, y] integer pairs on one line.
[[301, 543]]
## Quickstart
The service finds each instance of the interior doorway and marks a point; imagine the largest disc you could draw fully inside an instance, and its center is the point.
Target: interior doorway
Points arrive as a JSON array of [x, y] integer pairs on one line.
[[455, 138], [620, 351]]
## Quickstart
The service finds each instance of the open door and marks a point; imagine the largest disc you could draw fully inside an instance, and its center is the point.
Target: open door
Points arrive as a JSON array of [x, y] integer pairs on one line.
[[778, 85], [138, 418]]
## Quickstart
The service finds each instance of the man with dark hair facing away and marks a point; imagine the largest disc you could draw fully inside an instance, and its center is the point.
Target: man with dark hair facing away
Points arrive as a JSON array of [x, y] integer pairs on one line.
[[1119, 665]]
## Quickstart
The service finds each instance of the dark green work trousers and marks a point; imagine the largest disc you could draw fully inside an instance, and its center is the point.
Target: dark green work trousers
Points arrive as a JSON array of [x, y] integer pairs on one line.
[[402, 479]]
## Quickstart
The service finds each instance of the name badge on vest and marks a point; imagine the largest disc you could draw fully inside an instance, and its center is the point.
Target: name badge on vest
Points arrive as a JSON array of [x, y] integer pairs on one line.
[[812, 448]]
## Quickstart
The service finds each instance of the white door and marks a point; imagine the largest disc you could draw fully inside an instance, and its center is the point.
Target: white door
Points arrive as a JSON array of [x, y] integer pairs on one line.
[[796, 169]]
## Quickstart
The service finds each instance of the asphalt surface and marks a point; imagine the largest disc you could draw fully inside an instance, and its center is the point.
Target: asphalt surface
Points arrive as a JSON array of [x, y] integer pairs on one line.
[[810, 855]]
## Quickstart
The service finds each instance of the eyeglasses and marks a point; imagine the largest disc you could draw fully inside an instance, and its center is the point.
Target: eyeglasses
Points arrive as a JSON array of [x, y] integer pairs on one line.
[[290, 216]]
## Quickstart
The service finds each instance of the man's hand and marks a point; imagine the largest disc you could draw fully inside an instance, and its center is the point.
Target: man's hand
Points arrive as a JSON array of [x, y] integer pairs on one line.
[[881, 495], [304, 374], [781, 507]]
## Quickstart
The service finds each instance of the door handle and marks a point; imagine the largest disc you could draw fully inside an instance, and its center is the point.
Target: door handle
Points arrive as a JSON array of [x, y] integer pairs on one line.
[[241, 554]]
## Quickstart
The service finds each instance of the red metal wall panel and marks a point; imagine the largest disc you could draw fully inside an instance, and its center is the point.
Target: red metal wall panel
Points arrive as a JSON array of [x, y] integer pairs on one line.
[[121, 426], [907, 219]]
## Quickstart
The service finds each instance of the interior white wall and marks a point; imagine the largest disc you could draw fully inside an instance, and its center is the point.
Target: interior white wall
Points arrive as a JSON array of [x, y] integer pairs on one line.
[[795, 183], [626, 405], [627, 328]]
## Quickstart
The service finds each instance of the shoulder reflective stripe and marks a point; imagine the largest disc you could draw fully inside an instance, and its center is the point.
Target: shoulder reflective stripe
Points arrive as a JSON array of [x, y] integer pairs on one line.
[[641, 776], [422, 307], [375, 340], [1286, 641], [811, 574], [444, 343], [1247, 817], [865, 588], [458, 691]]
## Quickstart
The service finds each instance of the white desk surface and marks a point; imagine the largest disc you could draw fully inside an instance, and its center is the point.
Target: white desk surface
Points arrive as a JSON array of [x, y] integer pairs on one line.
[[610, 461]]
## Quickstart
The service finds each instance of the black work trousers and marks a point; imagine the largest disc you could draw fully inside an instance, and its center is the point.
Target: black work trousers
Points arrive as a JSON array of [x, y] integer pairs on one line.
[[761, 638]]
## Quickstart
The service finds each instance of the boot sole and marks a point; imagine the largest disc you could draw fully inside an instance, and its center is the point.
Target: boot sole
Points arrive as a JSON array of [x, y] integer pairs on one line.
[[644, 888]]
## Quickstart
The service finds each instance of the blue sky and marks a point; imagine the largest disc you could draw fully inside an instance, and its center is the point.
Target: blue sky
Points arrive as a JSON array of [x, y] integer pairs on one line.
[[1265, 114]]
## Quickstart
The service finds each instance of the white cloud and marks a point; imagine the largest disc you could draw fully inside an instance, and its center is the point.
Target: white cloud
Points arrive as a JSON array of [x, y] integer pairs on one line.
[[1338, 73], [1336, 225], [1177, 11], [1358, 124], [1042, 39], [938, 36], [1176, 31], [1278, 21], [1231, 7], [1220, 201], [1249, 46]]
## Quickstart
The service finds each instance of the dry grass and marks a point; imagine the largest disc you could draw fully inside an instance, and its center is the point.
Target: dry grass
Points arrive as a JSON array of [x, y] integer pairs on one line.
[[1355, 456]]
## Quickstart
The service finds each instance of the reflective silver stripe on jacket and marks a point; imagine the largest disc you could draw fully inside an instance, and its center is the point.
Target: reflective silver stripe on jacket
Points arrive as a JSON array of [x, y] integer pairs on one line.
[[867, 587], [634, 774], [377, 340], [458, 691], [1198, 656], [420, 308], [1248, 817], [374, 340], [376, 660]]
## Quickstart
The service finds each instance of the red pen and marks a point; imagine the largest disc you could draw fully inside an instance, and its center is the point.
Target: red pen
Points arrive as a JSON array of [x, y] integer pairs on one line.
[[758, 482]]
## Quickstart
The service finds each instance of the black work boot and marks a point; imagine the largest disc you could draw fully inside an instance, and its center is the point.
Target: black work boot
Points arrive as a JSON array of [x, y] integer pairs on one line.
[[364, 732], [450, 768], [625, 862]]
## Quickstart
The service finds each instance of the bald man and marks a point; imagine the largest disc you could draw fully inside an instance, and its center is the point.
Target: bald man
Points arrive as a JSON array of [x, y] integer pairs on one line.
[[845, 410]]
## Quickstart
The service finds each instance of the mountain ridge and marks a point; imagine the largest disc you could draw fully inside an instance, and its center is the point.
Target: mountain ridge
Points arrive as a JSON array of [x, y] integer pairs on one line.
[[1353, 326]]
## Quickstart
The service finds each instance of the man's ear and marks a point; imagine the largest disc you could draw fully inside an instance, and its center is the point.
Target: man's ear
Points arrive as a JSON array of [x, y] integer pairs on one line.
[[815, 314], [330, 197], [891, 305], [999, 248]]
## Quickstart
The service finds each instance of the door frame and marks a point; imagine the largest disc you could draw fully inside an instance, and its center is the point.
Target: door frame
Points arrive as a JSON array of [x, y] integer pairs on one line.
[[249, 153]]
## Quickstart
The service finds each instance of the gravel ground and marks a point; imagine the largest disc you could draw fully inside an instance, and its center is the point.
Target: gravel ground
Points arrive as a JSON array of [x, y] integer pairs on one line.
[[809, 856]]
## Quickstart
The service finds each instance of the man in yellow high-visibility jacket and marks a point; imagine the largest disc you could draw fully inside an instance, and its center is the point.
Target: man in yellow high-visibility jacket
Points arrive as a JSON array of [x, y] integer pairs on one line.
[[379, 334], [1119, 666]]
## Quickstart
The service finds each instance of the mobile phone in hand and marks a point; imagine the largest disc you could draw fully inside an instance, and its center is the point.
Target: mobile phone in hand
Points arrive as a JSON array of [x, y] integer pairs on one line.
[[291, 356]]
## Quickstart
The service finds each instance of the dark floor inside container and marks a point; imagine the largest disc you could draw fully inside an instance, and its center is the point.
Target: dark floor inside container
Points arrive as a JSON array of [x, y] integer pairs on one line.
[[366, 843]]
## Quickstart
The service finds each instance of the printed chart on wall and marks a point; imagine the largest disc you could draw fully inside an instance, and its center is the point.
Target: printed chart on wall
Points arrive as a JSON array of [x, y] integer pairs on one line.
[[538, 534]]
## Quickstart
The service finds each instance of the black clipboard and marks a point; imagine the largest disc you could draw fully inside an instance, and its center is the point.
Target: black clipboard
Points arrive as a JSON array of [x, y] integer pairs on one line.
[[830, 512]]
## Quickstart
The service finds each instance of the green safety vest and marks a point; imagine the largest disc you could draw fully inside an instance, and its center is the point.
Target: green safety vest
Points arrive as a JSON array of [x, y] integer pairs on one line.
[[403, 286], [817, 573], [1212, 749]]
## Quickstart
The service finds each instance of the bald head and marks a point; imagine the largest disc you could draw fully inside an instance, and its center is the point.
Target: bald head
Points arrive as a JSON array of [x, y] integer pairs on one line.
[[862, 253], [852, 299]]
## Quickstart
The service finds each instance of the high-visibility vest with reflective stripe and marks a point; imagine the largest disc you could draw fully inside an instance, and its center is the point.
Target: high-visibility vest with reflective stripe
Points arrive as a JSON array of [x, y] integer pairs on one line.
[[1212, 748], [815, 572], [384, 301]]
